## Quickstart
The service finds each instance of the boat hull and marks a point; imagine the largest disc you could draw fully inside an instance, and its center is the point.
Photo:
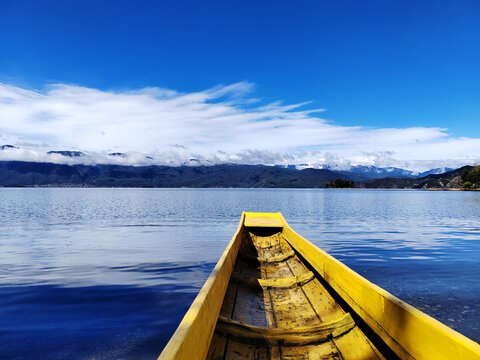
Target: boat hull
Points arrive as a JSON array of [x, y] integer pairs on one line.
[[274, 295]]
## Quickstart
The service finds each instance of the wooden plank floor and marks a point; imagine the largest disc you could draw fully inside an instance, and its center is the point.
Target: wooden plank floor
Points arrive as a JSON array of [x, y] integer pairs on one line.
[[300, 306]]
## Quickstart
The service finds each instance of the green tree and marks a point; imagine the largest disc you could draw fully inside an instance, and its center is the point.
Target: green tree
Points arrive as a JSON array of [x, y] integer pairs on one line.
[[471, 178], [339, 183]]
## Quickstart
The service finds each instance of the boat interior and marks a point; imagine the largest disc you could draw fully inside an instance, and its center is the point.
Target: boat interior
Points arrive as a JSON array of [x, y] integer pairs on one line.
[[277, 307]]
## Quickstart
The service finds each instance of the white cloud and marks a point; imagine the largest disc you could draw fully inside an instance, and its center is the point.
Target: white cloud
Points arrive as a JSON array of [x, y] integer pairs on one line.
[[222, 124]]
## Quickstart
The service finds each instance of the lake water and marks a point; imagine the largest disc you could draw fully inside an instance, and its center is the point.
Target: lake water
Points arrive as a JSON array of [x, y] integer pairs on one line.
[[109, 273]]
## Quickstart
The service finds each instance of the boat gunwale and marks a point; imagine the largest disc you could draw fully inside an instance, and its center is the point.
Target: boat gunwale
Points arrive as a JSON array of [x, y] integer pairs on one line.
[[193, 335]]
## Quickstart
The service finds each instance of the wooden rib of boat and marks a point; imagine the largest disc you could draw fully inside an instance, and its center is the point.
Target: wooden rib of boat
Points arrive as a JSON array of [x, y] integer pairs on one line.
[[274, 295]]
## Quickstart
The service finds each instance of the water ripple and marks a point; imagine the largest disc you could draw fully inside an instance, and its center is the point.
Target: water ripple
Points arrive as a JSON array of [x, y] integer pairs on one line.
[[109, 273]]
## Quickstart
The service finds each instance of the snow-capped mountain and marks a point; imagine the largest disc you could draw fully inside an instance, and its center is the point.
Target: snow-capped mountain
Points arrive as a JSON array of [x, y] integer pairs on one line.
[[355, 172], [66, 153], [8, 147], [435, 171]]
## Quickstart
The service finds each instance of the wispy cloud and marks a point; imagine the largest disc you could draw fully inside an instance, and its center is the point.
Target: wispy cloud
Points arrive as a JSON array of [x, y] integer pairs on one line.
[[224, 124]]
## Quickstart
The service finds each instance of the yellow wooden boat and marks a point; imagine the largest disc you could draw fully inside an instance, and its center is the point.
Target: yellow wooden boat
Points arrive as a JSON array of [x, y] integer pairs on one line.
[[274, 295]]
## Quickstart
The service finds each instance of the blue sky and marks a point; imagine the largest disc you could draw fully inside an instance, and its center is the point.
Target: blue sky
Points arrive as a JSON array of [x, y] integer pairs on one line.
[[370, 64]]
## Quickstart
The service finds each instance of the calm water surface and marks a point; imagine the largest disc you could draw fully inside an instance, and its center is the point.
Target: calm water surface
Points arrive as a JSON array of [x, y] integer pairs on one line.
[[109, 273]]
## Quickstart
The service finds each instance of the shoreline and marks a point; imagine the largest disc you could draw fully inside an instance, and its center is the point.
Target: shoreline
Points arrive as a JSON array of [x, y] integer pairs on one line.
[[86, 186], [451, 189]]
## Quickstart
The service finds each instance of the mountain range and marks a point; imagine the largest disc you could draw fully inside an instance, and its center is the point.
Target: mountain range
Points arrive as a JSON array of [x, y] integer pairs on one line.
[[196, 173], [356, 172], [20, 173], [447, 180], [362, 172]]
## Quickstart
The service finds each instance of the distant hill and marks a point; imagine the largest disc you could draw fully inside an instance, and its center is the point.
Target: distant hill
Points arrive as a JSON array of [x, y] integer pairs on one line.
[[357, 173], [7, 147], [361, 172], [18, 173], [67, 153], [435, 171], [448, 180]]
